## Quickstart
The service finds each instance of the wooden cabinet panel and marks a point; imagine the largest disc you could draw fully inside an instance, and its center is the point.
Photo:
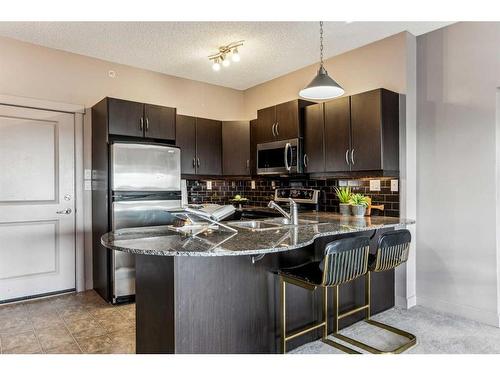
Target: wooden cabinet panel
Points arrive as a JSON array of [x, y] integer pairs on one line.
[[236, 148], [159, 122], [266, 119], [208, 147], [287, 120], [366, 128], [337, 135], [125, 117], [314, 157], [186, 140], [253, 147]]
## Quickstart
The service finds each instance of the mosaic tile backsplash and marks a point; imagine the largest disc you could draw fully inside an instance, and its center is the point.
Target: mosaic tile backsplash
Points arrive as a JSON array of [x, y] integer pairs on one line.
[[224, 190]]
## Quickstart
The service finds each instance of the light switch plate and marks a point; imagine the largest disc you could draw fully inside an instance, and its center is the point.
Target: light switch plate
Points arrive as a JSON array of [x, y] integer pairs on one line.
[[353, 183], [273, 184], [252, 185], [394, 185], [343, 183], [374, 185], [87, 185], [209, 185], [87, 174]]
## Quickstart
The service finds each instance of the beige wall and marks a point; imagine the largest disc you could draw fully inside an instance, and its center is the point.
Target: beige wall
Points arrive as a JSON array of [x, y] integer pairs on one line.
[[380, 64], [38, 72]]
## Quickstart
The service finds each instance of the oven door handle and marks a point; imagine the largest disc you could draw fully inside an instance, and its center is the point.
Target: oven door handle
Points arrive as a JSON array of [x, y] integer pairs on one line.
[[287, 166]]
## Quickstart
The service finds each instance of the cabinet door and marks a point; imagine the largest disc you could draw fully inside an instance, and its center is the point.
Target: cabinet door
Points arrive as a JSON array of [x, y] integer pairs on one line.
[[253, 147], [185, 129], [337, 135], [208, 147], [366, 127], [125, 117], [287, 120], [236, 148], [314, 157], [159, 122], [266, 119]]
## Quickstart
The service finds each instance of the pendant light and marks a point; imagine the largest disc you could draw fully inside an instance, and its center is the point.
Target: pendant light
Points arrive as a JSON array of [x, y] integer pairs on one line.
[[322, 87]]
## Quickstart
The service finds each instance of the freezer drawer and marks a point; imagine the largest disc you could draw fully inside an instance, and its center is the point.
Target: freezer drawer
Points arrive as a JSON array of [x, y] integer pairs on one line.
[[145, 167], [129, 214]]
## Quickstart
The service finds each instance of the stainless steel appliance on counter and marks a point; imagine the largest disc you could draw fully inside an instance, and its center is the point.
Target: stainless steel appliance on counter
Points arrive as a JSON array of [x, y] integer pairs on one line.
[[281, 157], [145, 183]]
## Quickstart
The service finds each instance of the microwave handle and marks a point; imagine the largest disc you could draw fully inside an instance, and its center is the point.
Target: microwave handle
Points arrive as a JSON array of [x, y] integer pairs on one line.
[[287, 147]]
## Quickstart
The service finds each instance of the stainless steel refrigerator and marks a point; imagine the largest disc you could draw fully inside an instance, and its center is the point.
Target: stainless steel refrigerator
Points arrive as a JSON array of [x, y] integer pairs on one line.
[[145, 183]]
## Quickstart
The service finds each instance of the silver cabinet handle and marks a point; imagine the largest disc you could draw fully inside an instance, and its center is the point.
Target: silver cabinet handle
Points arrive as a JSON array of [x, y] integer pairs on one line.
[[305, 160], [352, 156], [347, 156], [248, 164], [277, 128], [198, 162], [287, 147], [194, 162], [273, 130], [141, 124], [147, 124], [67, 211]]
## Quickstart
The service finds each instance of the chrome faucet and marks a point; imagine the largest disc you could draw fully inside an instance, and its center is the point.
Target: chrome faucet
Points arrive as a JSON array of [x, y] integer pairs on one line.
[[293, 216]]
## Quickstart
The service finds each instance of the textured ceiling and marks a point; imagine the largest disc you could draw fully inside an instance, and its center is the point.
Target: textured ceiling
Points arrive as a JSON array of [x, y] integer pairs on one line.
[[271, 49]]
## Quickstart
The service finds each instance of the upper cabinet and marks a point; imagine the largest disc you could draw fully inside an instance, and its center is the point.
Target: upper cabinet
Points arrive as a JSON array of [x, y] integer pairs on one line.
[[253, 147], [128, 118], [200, 141], [280, 122], [236, 148], [359, 133]]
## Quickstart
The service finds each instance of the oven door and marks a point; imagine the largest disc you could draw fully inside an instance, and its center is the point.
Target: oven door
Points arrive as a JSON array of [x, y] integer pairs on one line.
[[280, 157]]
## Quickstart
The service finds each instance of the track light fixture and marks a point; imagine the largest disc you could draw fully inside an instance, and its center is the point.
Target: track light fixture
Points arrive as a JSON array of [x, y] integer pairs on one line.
[[225, 55]]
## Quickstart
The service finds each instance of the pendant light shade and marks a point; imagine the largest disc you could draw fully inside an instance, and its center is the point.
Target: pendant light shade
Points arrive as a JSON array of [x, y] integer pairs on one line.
[[322, 87]]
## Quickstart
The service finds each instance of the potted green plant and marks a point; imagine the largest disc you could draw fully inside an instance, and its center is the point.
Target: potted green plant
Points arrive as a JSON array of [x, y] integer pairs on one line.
[[344, 195], [359, 203]]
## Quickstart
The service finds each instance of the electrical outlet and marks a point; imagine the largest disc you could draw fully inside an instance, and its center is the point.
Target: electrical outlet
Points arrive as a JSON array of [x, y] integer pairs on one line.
[[343, 183], [353, 183], [209, 185], [252, 185], [394, 185], [273, 184], [87, 185], [374, 185]]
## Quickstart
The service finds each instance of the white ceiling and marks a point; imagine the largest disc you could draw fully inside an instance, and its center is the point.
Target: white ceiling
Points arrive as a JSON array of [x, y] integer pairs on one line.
[[271, 49]]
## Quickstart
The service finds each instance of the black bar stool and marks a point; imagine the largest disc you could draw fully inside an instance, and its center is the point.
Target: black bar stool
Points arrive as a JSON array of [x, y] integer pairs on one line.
[[344, 260], [392, 250]]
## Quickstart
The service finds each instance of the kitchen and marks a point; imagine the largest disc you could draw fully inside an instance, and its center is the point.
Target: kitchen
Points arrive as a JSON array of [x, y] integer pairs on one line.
[[196, 198]]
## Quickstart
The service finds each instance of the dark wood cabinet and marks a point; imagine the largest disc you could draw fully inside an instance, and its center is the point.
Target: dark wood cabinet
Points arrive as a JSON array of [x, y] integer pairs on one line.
[[375, 131], [186, 140], [128, 118], [208, 147], [200, 141], [314, 131], [125, 117], [253, 147], [159, 122], [280, 122], [236, 148], [337, 135], [360, 134]]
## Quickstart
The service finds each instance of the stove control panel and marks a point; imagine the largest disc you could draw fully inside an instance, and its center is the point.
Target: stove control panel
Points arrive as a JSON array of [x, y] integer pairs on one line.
[[299, 195]]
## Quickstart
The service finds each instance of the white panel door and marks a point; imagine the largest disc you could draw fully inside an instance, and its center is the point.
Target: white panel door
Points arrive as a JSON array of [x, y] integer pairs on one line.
[[37, 210]]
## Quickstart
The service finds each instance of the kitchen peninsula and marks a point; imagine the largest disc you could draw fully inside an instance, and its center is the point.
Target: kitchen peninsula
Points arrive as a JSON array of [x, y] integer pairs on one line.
[[218, 292]]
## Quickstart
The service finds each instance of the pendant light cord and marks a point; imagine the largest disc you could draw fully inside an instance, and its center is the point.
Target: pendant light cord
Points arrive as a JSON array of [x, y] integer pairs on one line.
[[321, 42]]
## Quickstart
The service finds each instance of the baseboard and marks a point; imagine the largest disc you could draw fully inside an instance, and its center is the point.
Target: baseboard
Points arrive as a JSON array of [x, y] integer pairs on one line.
[[483, 316], [406, 302]]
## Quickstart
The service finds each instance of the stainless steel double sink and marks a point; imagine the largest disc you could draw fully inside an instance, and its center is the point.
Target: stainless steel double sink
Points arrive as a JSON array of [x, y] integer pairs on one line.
[[269, 224]]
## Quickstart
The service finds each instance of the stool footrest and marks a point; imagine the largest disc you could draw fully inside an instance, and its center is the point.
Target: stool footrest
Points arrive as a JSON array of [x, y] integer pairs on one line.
[[339, 346], [303, 331], [353, 311], [412, 340]]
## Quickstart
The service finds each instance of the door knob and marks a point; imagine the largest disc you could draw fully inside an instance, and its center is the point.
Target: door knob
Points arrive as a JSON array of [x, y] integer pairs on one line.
[[67, 211]]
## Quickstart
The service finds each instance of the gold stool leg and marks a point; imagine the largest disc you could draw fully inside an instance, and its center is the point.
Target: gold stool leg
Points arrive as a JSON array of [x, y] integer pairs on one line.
[[283, 315]]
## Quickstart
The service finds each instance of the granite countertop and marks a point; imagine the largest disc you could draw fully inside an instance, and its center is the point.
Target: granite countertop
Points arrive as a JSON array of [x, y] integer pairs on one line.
[[163, 241]]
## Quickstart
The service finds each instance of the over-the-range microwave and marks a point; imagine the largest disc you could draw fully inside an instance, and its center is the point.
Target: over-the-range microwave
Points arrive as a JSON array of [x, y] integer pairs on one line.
[[281, 157]]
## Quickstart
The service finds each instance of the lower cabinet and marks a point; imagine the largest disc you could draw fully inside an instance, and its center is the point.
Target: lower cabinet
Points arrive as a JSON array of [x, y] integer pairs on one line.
[[200, 141], [236, 148]]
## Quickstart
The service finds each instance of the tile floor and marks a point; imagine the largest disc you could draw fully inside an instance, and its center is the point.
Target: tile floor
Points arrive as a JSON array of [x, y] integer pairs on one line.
[[72, 323]]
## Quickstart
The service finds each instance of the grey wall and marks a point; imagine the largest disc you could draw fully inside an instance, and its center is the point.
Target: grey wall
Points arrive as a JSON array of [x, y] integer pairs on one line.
[[458, 72]]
